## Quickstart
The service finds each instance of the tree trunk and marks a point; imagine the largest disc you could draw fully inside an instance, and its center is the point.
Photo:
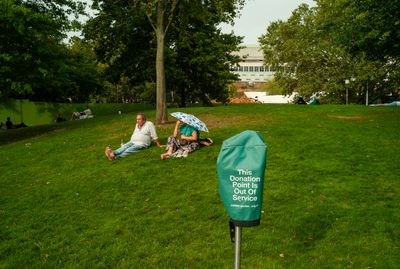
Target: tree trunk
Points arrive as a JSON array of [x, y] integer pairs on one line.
[[183, 97], [161, 102]]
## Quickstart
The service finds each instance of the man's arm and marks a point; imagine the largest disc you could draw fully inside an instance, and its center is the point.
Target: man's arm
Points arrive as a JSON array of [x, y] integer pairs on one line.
[[153, 134], [157, 141]]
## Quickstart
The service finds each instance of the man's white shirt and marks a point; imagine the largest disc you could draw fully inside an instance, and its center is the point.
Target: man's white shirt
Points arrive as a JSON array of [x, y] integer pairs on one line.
[[143, 136]]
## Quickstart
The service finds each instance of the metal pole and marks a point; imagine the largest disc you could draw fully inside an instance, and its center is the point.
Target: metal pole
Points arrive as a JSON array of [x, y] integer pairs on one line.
[[238, 239], [366, 99]]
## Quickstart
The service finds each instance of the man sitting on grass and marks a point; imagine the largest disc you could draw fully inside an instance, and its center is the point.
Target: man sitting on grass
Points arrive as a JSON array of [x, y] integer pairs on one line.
[[142, 136]]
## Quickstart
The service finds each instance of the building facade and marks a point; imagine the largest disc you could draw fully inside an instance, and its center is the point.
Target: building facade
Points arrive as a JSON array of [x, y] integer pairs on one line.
[[252, 68]]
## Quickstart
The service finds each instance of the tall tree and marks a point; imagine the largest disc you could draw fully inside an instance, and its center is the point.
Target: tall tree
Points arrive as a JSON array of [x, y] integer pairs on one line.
[[160, 14], [123, 41], [83, 70], [200, 58], [321, 50], [31, 48], [119, 30], [369, 27]]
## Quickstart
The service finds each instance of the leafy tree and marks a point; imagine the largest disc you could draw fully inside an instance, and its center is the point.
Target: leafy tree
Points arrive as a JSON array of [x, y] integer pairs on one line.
[[292, 48], [318, 50], [127, 37], [368, 31], [34, 61], [83, 71], [160, 14], [200, 58], [122, 40], [365, 26]]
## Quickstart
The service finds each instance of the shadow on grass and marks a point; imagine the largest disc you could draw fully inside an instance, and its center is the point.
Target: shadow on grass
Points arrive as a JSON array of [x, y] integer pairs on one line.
[[313, 227], [15, 135]]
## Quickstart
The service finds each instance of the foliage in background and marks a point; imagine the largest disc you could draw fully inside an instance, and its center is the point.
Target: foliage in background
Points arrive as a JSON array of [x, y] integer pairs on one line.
[[120, 37], [318, 50], [34, 62], [198, 55], [201, 59], [330, 195], [271, 87], [83, 70]]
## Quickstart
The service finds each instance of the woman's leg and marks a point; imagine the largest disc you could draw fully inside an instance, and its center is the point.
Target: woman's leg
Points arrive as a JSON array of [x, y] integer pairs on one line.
[[171, 146]]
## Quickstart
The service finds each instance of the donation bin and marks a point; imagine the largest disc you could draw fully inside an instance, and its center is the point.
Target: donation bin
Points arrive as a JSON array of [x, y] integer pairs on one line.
[[241, 165]]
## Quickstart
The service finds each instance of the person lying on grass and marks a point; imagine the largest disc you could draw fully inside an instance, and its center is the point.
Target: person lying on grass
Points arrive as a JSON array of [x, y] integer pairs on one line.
[[142, 136], [184, 140], [82, 115]]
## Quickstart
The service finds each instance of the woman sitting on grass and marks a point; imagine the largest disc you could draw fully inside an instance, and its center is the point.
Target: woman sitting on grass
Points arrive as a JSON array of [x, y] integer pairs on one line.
[[187, 142]]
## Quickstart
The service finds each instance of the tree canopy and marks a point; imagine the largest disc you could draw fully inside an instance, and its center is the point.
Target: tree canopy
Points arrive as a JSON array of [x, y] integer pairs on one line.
[[337, 45], [198, 56], [34, 61]]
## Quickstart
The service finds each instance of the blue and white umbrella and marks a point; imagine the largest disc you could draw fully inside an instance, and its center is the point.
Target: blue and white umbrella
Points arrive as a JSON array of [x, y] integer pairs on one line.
[[191, 120]]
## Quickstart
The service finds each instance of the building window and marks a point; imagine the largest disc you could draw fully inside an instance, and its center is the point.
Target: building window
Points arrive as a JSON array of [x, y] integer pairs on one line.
[[246, 69], [240, 68], [256, 69], [262, 69], [251, 69]]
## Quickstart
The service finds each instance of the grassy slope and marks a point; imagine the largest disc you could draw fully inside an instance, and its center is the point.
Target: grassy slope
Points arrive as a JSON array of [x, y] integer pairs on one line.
[[331, 196]]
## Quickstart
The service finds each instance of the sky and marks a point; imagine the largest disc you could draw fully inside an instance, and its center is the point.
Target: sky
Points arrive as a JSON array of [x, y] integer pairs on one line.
[[258, 14]]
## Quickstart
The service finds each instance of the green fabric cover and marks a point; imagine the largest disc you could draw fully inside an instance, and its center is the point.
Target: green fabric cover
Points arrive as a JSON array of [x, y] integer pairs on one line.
[[241, 165]]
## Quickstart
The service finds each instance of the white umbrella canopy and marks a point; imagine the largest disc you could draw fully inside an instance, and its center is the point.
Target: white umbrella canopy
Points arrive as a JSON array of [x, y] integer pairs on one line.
[[191, 120]]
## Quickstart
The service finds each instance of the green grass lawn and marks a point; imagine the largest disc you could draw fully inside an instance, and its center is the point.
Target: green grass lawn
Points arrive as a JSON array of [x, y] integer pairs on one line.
[[331, 194], [41, 113]]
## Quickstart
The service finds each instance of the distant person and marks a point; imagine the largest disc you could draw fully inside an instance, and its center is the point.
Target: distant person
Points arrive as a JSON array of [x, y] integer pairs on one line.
[[60, 118], [82, 115], [301, 101], [313, 101], [11, 125], [143, 135]]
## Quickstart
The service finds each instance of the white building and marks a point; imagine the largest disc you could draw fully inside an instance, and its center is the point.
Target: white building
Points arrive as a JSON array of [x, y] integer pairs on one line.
[[252, 68], [262, 97]]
